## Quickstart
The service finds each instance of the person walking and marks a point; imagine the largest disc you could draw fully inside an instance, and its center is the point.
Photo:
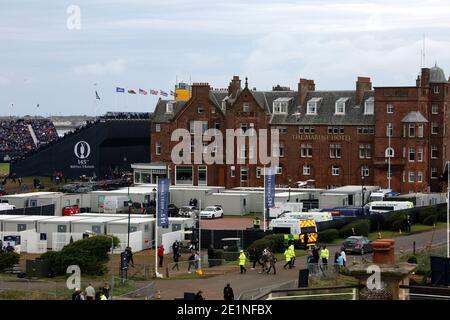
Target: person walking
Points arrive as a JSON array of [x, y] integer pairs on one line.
[[292, 252], [197, 260], [325, 255], [287, 255], [272, 260], [76, 296], [310, 262], [90, 292], [340, 263], [175, 247], [106, 289], [228, 294], [129, 256], [336, 256], [316, 255], [176, 258], [191, 261], [242, 259], [161, 255], [344, 257]]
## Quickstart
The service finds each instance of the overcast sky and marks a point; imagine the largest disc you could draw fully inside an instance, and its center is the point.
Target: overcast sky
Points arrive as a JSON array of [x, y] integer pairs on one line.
[[149, 44]]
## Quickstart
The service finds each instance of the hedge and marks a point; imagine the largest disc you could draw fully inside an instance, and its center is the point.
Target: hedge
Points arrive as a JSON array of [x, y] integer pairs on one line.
[[274, 242], [361, 227], [328, 236], [8, 260], [430, 220], [90, 254]]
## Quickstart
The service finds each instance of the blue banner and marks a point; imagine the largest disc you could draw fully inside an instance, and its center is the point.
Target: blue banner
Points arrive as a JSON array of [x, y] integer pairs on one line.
[[162, 199], [269, 188]]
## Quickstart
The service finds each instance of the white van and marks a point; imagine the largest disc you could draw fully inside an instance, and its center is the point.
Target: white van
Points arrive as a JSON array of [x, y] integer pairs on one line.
[[387, 206], [281, 207], [6, 206], [316, 216]]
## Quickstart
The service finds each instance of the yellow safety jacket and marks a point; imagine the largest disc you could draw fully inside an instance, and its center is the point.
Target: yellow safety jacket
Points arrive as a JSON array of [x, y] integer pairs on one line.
[[324, 253], [292, 250], [103, 297], [287, 255], [242, 259]]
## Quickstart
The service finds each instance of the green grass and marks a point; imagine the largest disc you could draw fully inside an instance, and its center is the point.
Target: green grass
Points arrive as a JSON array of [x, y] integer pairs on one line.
[[387, 234], [423, 258], [4, 169]]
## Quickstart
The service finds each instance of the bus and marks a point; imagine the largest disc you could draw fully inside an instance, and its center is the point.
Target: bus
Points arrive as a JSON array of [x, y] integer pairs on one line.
[[387, 206]]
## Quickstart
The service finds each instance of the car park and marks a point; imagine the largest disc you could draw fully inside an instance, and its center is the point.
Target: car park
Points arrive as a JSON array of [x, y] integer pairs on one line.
[[357, 244], [212, 212]]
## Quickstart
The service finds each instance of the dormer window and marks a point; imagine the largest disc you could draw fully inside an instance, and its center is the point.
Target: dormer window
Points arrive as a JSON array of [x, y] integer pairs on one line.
[[311, 106], [369, 106], [340, 106], [280, 105], [169, 107]]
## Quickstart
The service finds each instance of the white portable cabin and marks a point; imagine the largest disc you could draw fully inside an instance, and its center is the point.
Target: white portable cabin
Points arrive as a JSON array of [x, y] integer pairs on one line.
[[5, 217], [145, 225], [255, 199], [120, 215], [233, 204], [291, 196], [37, 199], [350, 195], [57, 224], [93, 224], [23, 223]]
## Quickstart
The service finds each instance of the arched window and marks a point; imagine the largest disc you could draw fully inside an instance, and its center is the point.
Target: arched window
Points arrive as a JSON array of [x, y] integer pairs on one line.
[[389, 153]]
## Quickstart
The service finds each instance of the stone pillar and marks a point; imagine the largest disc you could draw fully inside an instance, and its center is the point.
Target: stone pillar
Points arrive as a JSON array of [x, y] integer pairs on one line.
[[391, 275]]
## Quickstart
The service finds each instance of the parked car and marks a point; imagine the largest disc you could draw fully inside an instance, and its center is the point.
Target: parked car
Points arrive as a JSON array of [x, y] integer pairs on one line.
[[173, 210], [212, 212], [357, 244], [188, 212]]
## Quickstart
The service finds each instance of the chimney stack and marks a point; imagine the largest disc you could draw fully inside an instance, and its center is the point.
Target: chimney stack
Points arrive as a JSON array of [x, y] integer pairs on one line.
[[304, 86], [199, 89], [363, 84], [234, 87], [425, 77]]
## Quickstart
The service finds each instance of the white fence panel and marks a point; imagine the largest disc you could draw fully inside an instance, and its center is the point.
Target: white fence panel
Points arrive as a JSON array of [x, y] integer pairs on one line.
[[136, 241], [169, 238]]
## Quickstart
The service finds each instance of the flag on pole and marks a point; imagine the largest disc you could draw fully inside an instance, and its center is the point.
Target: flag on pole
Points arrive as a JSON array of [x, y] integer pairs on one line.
[[269, 187], [172, 93], [154, 92], [142, 92], [97, 96], [164, 94], [131, 91], [163, 202], [121, 90]]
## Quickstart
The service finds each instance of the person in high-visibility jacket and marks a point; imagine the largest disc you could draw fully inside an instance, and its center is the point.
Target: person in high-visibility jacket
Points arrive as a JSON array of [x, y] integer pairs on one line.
[[292, 252], [242, 259], [287, 255], [324, 255]]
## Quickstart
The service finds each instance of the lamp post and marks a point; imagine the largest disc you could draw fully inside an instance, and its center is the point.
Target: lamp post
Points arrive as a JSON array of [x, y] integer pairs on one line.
[[112, 259], [362, 191], [289, 181]]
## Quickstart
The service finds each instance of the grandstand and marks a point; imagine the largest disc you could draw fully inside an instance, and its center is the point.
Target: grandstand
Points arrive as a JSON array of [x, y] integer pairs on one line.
[[109, 143]]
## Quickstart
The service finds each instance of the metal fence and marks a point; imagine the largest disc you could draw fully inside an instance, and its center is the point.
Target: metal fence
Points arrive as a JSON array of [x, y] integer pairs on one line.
[[319, 293], [255, 293]]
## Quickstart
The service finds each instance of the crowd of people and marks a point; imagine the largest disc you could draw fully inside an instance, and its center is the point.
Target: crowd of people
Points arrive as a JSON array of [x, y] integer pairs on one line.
[[16, 138], [126, 116], [90, 294]]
